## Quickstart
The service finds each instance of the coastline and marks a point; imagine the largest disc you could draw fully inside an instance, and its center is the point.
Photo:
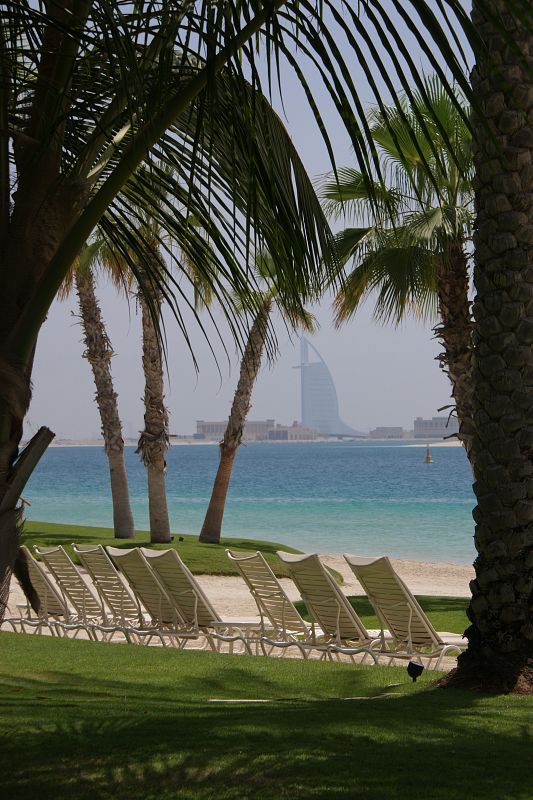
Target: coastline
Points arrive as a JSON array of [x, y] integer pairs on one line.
[[204, 442]]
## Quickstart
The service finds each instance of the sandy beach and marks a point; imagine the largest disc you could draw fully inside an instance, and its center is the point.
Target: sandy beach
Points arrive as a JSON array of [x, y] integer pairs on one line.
[[231, 597]]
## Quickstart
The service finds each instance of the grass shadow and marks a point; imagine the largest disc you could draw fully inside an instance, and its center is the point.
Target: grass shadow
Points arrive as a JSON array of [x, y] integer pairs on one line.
[[75, 733]]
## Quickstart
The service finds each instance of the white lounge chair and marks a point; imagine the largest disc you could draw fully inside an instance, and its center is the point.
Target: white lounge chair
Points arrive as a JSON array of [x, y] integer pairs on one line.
[[53, 612], [123, 609], [400, 612], [271, 600], [71, 584], [193, 604], [343, 631], [166, 620]]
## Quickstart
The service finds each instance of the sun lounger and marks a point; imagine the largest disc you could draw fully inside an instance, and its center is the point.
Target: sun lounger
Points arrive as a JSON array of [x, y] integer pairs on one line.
[[166, 620], [78, 593], [342, 629], [53, 612], [193, 604], [400, 612], [277, 612], [71, 584], [282, 625], [123, 609]]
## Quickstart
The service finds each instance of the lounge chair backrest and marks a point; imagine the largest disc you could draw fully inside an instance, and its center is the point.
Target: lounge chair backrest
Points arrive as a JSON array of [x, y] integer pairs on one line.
[[323, 598], [109, 583], [52, 604], [70, 582], [182, 586], [146, 585], [268, 593], [397, 609]]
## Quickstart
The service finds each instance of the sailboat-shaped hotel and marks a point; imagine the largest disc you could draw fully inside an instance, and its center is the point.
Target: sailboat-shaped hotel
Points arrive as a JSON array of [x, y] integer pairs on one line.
[[320, 405]]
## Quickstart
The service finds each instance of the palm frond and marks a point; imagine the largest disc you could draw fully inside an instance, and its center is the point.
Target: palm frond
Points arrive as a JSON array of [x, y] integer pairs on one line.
[[85, 262], [426, 157], [351, 241], [123, 81], [351, 192], [403, 280]]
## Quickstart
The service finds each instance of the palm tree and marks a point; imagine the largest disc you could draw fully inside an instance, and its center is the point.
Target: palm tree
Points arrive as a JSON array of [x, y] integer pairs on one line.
[[154, 439], [120, 261], [145, 265], [99, 353], [76, 122], [500, 638], [413, 249], [295, 317]]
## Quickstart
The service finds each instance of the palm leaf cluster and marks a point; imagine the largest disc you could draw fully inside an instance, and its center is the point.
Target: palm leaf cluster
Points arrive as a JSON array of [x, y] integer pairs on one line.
[[413, 214], [100, 87]]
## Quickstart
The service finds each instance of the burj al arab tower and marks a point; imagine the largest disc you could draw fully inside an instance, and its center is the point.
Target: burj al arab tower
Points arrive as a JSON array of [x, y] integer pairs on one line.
[[320, 406]]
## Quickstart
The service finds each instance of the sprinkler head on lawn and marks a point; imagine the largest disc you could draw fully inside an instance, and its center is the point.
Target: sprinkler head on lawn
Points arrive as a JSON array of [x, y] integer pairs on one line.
[[415, 670]]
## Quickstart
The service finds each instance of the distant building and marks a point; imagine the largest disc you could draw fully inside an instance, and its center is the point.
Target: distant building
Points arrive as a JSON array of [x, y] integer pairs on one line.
[[435, 428], [320, 406], [383, 432], [292, 433], [254, 431]]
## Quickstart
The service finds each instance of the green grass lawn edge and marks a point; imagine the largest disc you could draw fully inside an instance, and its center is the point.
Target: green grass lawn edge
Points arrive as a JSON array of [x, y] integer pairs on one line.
[[202, 559]]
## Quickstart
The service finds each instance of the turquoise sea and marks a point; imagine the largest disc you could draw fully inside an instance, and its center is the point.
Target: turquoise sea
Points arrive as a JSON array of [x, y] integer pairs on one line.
[[359, 497]]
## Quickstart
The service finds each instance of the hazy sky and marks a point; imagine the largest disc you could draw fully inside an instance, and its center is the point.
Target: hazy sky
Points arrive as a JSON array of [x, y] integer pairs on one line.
[[383, 375]]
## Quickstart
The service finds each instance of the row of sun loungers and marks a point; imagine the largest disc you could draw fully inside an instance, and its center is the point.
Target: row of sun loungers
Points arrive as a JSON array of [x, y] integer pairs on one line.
[[145, 594]]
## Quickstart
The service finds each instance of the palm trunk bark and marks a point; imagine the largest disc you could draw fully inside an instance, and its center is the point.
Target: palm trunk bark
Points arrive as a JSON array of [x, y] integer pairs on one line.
[[9, 535], [455, 333], [500, 639], [34, 230], [99, 353], [250, 364], [42, 209], [154, 439]]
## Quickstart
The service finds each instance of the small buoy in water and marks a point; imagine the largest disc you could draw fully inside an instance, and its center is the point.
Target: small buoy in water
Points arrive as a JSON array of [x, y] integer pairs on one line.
[[429, 460]]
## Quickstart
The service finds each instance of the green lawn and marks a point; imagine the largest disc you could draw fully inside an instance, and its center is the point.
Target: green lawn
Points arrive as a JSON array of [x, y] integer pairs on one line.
[[91, 721], [208, 559]]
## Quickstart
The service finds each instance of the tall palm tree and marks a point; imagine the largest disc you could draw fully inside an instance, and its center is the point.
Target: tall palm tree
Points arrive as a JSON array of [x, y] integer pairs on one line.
[[295, 317], [500, 638], [154, 439], [144, 265], [76, 122], [411, 246], [99, 353]]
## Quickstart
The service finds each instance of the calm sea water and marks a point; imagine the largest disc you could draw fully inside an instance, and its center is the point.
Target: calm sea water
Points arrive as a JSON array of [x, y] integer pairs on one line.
[[369, 499]]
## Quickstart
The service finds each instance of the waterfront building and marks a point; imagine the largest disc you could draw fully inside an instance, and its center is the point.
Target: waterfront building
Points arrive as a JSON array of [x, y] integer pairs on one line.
[[384, 432], [292, 433], [436, 427], [320, 406], [254, 430]]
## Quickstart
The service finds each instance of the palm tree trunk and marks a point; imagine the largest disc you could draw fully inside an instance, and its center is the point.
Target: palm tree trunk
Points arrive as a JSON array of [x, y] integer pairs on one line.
[[500, 639], [154, 440], [99, 353], [455, 333], [250, 364], [9, 537]]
